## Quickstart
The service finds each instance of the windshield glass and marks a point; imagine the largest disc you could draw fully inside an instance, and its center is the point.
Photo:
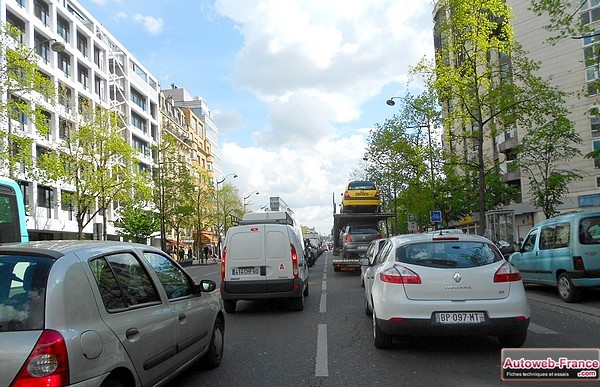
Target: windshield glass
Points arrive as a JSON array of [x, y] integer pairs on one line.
[[589, 230], [451, 254], [22, 292]]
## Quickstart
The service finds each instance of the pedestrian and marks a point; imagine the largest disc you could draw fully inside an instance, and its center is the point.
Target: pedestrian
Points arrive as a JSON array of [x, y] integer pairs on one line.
[[190, 254], [205, 250], [181, 254]]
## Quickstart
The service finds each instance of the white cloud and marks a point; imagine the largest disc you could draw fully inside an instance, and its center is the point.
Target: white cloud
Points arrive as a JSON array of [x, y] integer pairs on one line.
[[316, 63], [152, 25]]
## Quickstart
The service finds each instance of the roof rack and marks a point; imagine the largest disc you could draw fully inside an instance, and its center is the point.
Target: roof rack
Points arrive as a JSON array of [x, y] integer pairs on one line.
[[268, 217]]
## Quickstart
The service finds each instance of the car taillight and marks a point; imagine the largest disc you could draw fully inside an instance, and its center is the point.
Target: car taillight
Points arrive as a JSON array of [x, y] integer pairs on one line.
[[507, 273], [379, 236], [48, 363], [223, 259], [377, 196], [295, 261], [348, 238], [399, 275], [346, 195], [578, 263]]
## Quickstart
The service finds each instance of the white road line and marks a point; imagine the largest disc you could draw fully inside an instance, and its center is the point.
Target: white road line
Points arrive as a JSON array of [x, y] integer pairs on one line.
[[324, 285], [321, 367], [540, 329], [323, 304]]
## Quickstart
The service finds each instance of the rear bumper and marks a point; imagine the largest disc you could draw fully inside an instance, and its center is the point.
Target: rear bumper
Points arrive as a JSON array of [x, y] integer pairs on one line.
[[257, 290], [428, 327]]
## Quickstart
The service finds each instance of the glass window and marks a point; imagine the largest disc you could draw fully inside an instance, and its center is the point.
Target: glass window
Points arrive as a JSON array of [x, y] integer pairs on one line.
[[138, 99], [138, 121], [547, 238], [383, 254], [63, 28], [123, 282], [448, 254], [562, 235], [44, 196], [529, 243], [82, 43], [23, 292], [589, 230], [596, 159], [175, 282]]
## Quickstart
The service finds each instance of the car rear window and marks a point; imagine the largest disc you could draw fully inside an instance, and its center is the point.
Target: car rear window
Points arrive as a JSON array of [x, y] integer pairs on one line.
[[589, 230], [448, 254], [361, 185], [23, 292], [363, 230]]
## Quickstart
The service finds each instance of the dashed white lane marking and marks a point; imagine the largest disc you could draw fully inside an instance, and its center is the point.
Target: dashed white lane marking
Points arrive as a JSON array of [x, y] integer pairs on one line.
[[321, 368], [324, 286], [323, 305], [540, 329]]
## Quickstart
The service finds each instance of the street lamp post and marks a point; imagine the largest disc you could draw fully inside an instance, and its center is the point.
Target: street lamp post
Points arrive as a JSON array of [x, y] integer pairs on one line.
[[246, 197], [218, 214], [56, 46]]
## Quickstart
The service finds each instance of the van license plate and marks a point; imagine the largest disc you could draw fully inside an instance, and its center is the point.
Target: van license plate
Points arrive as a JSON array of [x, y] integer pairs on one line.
[[245, 271], [460, 318]]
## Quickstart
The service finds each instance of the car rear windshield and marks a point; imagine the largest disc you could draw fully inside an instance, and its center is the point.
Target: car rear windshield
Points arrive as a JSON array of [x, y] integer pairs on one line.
[[589, 230], [448, 254], [23, 292], [363, 230], [361, 185]]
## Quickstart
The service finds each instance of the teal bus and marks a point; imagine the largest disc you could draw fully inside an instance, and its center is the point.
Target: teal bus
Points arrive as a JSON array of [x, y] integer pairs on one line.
[[13, 227]]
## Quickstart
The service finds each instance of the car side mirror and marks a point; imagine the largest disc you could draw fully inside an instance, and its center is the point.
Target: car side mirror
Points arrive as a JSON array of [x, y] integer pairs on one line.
[[205, 286], [364, 261]]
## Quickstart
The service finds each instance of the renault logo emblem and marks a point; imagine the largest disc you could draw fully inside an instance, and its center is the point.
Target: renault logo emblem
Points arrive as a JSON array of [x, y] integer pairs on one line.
[[457, 277]]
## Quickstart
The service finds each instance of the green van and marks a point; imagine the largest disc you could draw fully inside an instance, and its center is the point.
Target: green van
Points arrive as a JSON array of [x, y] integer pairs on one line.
[[13, 223], [562, 251]]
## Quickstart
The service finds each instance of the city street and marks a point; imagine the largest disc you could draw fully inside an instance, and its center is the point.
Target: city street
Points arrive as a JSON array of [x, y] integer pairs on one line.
[[330, 342]]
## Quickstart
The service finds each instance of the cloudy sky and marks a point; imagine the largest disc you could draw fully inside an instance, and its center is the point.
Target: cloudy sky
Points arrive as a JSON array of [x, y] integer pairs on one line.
[[295, 85]]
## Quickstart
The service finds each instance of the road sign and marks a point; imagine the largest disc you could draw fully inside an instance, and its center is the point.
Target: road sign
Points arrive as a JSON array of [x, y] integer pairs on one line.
[[435, 216]]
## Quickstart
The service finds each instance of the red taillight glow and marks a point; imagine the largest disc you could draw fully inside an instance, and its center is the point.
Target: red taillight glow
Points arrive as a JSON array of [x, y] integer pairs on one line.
[[379, 236], [223, 259], [507, 273], [348, 238], [399, 275], [578, 263], [295, 261], [377, 196], [346, 195], [48, 363]]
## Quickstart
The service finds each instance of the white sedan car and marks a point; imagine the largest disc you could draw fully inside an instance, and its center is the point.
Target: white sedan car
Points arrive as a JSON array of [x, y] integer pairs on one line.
[[445, 284]]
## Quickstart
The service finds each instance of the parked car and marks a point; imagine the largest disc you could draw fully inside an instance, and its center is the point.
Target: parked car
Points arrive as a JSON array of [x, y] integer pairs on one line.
[[263, 258], [453, 284], [563, 251], [355, 239], [371, 254], [361, 196], [102, 314]]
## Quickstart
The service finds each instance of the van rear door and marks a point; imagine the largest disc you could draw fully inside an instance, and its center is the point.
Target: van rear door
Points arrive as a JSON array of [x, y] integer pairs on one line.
[[278, 252], [246, 260]]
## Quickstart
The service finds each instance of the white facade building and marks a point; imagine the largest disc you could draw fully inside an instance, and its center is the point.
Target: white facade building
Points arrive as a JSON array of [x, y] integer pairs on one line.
[[94, 69]]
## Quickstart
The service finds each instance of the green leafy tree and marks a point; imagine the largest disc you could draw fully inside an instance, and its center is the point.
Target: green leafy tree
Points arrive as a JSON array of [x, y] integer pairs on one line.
[[95, 165], [29, 97], [544, 155], [136, 223], [482, 94]]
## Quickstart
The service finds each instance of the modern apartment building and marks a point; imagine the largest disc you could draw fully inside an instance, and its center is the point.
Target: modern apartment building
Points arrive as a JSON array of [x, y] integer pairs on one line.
[[93, 69], [571, 65]]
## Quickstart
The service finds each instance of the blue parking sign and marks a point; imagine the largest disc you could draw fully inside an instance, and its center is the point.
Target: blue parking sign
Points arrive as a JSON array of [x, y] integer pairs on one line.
[[435, 216]]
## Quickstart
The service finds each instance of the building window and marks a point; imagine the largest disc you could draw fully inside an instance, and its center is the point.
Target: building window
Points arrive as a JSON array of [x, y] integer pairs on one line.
[[83, 75], [63, 28], [597, 158], [41, 10], [66, 204], [26, 191], [138, 121], [64, 63], [64, 95], [82, 44], [65, 129], [45, 198], [597, 181], [138, 98], [17, 23], [99, 87]]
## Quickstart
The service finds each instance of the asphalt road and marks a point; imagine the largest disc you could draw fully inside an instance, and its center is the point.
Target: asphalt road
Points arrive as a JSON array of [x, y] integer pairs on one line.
[[330, 342]]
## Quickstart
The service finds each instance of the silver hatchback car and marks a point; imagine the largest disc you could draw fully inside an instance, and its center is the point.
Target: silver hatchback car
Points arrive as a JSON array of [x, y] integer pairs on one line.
[[102, 314]]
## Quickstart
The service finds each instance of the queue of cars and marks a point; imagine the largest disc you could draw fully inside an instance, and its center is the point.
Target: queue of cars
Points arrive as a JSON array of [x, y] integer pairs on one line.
[[102, 314]]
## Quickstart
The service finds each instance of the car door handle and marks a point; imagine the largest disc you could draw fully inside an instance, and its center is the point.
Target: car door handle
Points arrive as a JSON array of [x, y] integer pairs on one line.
[[131, 332], [182, 317]]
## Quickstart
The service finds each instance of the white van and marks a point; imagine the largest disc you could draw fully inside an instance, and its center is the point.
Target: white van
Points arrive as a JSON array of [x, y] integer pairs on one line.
[[263, 258]]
